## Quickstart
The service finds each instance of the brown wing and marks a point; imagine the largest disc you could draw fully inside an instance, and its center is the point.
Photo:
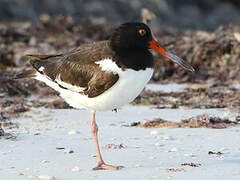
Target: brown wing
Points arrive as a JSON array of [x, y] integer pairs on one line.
[[78, 68]]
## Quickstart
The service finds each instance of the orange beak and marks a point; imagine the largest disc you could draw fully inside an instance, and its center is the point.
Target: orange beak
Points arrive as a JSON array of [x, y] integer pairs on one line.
[[161, 50]]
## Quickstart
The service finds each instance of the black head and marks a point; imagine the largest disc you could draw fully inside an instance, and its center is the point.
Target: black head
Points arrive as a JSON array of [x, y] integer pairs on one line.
[[138, 37], [132, 35]]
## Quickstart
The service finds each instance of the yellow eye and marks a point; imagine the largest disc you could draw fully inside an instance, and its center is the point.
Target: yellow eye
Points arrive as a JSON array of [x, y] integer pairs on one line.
[[142, 32]]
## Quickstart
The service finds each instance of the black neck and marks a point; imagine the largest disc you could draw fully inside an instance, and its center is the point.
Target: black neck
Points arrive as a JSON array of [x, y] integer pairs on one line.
[[137, 59]]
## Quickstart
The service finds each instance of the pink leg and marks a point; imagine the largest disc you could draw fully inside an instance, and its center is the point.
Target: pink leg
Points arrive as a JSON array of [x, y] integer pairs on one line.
[[101, 164]]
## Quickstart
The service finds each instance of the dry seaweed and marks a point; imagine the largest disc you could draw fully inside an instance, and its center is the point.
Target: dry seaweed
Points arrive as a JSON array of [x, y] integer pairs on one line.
[[191, 164], [200, 121], [214, 153]]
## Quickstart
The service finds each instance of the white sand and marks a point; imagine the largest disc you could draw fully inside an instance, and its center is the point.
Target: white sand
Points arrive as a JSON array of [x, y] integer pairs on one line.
[[148, 153]]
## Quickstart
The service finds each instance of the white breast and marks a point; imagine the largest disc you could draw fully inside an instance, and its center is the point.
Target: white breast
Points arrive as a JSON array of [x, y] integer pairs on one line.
[[125, 90]]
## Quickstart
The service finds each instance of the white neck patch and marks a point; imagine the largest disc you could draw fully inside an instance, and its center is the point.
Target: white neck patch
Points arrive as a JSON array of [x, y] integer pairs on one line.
[[109, 66]]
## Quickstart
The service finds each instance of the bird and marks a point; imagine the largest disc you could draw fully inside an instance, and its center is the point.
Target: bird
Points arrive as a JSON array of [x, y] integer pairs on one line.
[[103, 75]]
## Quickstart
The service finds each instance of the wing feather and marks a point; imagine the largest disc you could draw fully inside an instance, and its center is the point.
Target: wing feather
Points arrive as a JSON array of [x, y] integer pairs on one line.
[[77, 71]]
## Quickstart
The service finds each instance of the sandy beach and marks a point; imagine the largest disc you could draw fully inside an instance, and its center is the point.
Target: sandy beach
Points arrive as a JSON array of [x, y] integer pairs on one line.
[[57, 144]]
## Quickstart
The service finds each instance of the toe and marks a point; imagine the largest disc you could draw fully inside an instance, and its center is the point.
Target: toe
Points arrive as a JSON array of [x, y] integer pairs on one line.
[[107, 167]]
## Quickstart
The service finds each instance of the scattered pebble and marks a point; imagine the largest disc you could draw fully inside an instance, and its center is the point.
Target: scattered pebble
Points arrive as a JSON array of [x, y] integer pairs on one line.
[[191, 164], [45, 177], [159, 144], [68, 151], [175, 170], [216, 153], [154, 132], [114, 146], [76, 169], [164, 138], [173, 150], [73, 132], [133, 138], [133, 124], [190, 155], [44, 161]]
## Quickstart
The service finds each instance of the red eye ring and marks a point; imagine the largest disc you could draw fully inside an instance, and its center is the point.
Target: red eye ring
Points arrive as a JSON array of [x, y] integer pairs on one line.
[[142, 32]]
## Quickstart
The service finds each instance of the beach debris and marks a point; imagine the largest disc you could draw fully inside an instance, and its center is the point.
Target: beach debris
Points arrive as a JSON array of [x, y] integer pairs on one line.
[[5, 135], [215, 153], [191, 164], [57, 104], [133, 124], [158, 123], [3, 117], [212, 95], [1, 132], [200, 121], [175, 170], [237, 36], [238, 119], [68, 151], [114, 146], [209, 122]]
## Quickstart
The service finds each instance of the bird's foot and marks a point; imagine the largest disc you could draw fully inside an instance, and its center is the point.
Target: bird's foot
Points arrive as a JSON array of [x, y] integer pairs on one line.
[[103, 166]]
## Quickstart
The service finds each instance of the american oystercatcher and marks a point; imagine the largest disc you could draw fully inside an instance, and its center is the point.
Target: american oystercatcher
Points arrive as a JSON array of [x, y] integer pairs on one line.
[[103, 75]]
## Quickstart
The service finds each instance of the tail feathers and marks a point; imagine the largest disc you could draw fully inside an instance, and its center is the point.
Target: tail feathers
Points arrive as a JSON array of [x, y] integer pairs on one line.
[[26, 74], [36, 61]]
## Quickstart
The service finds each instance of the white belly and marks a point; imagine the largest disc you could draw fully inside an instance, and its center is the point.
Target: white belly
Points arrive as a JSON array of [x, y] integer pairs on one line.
[[125, 90]]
